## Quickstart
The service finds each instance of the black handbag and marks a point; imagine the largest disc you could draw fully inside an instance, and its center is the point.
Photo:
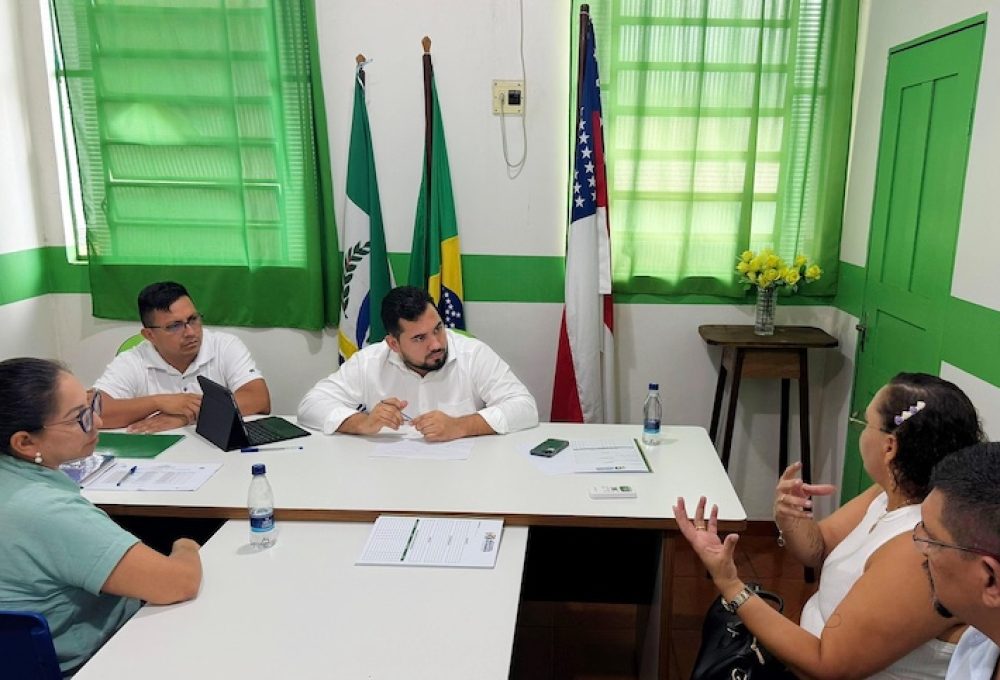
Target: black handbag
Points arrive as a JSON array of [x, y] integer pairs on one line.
[[731, 652]]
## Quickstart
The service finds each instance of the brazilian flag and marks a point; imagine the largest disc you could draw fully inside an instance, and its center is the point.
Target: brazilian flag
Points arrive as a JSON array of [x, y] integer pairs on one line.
[[435, 258]]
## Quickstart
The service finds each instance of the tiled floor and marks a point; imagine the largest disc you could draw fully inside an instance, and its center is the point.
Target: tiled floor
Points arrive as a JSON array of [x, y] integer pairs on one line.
[[591, 641]]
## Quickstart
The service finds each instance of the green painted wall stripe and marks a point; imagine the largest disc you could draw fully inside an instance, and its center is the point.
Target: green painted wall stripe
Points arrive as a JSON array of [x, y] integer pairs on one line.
[[850, 289], [488, 278], [970, 343], [970, 339], [501, 278], [65, 277], [22, 275]]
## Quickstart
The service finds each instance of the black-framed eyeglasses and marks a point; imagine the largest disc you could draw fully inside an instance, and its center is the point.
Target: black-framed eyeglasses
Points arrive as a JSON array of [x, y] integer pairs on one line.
[[858, 418], [194, 321], [85, 418], [923, 541]]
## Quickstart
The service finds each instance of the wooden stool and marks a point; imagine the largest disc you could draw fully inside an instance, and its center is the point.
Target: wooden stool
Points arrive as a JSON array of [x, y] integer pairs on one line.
[[784, 356]]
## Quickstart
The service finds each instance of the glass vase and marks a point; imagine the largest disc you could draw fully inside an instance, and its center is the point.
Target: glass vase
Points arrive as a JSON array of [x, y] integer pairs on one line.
[[763, 323]]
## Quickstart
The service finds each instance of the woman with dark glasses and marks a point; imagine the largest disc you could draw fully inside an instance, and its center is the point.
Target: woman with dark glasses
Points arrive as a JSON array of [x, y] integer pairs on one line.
[[61, 556], [872, 616]]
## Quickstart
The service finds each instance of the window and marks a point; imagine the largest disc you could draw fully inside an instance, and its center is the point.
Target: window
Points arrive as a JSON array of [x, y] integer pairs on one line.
[[196, 144], [726, 124]]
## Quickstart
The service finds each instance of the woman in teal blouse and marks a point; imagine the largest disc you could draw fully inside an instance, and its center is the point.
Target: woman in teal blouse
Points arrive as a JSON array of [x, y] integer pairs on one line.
[[62, 556]]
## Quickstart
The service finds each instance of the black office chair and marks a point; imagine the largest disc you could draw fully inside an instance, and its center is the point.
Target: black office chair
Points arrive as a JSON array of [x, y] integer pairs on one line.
[[26, 647]]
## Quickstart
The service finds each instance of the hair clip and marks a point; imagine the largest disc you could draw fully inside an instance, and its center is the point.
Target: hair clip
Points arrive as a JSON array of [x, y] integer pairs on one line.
[[905, 415]]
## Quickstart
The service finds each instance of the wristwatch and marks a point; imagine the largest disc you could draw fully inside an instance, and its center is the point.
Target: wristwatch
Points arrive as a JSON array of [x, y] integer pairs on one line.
[[732, 605]]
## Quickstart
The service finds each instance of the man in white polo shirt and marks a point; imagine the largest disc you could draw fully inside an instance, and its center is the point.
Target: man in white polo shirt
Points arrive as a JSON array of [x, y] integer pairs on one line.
[[960, 540], [154, 386], [445, 384]]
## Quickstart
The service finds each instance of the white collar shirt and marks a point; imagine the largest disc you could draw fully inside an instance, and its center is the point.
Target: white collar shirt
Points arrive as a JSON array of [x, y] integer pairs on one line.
[[975, 657], [141, 371], [474, 379]]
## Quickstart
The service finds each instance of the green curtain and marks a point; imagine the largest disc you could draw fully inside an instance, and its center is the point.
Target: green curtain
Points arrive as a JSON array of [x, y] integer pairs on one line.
[[726, 126], [201, 141]]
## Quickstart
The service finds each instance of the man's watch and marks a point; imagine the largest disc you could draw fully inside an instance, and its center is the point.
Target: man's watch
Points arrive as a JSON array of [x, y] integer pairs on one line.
[[732, 605]]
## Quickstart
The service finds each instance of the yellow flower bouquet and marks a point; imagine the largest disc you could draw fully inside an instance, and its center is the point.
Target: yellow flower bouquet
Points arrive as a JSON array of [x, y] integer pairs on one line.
[[767, 272], [766, 269]]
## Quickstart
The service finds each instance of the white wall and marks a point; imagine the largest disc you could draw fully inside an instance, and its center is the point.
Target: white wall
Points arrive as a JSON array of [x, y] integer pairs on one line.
[[473, 43], [28, 325]]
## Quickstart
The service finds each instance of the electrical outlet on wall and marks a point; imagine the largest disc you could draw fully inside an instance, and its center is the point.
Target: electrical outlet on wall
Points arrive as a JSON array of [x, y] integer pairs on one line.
[[508, 97]]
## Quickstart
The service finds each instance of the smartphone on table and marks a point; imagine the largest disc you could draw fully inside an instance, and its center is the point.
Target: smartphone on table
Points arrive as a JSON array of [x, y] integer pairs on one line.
[[549, 447]]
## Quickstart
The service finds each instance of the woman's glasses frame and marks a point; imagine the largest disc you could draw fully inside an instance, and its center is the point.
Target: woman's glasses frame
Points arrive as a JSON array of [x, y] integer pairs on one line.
[[858, 418], [85, 418]]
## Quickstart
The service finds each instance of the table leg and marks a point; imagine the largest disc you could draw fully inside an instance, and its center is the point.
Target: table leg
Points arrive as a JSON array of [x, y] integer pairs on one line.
[[720, 388], [656, 637], [804, 415], [734, 392], [783, 432]]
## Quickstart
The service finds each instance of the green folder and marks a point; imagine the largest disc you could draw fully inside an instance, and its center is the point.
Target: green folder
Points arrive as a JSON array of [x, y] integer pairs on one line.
[[126, 445]]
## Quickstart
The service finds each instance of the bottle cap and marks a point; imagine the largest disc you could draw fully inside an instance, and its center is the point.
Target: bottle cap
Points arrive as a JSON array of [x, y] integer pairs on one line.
[[654, 386], [258, 469]]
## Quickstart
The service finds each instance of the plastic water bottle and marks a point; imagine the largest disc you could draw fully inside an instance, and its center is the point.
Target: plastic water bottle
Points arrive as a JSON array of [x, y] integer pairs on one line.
[[652, 413], [260, 503]]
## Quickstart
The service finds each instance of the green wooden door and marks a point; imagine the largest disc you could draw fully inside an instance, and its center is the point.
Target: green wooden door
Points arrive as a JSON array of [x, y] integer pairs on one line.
[[926, 124]]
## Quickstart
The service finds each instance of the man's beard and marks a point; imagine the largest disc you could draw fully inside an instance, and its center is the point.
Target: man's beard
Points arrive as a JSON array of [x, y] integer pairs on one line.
[[942, 611], [432, 365]]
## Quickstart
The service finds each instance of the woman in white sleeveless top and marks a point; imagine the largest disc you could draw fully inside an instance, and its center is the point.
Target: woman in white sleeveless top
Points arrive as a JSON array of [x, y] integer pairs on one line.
[[872, 616]]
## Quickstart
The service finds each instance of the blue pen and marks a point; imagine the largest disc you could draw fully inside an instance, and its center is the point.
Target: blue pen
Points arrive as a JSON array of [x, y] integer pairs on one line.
[[257, 449], [127, 474]]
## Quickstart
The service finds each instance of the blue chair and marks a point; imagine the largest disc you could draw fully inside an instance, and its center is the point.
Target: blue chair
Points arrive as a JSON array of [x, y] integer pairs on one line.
[[26, 649]]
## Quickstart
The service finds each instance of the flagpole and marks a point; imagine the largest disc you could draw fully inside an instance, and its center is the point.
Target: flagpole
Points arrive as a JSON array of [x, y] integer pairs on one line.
[[360, 60], [581, 60], [581, 56], [428, 131]]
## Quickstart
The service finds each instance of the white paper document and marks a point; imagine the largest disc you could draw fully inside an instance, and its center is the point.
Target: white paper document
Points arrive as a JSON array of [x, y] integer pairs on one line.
[[608, 455], [144, 475], [408, 447], [433, 542]]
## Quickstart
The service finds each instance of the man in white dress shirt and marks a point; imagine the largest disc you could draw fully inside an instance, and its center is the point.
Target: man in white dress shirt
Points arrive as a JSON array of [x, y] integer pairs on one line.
[[960, 539], [446, 385], [154, 386]]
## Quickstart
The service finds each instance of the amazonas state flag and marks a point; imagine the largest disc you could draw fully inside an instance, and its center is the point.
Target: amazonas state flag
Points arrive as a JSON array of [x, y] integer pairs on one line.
[[584, 389]]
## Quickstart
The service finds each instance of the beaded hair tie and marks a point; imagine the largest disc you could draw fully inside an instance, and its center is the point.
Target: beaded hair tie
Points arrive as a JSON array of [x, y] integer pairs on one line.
[[905, 415]]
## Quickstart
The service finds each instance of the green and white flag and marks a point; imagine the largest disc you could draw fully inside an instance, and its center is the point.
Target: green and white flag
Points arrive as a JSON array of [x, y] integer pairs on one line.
[[367, 277]]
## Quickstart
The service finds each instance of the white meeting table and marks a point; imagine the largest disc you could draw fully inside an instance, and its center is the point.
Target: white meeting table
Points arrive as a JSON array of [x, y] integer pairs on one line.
[[334, 478], [303, 609]]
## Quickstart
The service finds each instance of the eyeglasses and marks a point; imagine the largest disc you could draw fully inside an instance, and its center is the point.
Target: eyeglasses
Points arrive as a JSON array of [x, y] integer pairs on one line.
[[194, 321], [923, 542], [85, 418], [857, 418]]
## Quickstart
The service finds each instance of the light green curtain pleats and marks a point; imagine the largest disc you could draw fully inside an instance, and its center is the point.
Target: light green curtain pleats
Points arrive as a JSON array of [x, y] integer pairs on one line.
[[727, 125], [202, 151]]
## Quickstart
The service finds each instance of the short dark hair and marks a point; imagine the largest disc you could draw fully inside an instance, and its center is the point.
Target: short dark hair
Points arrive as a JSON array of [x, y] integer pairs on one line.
[[947, 423], [403, 302], [969, 481], [158, 297], [27, 396]]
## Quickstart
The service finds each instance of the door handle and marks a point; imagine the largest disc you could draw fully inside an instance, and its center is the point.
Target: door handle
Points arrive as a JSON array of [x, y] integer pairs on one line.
[[862, 329]]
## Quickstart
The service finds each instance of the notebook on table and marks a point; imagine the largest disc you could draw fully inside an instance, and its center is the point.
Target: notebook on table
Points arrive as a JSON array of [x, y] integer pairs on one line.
[[220, 421]]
